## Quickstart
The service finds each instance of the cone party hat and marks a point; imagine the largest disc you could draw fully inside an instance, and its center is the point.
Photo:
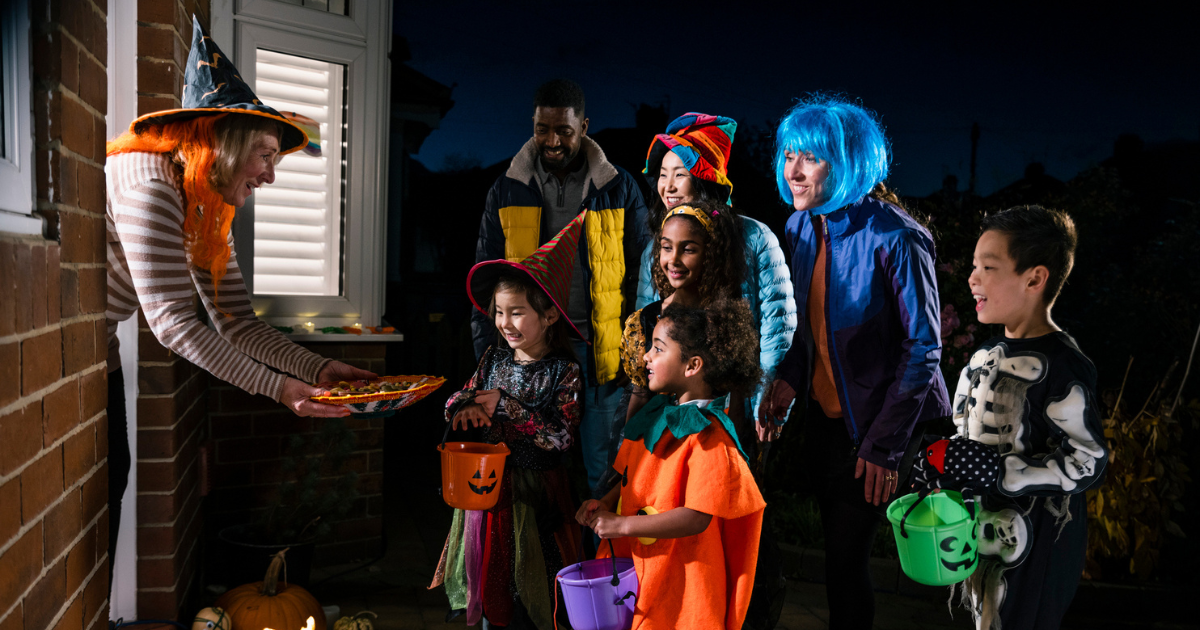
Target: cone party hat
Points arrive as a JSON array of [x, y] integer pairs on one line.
[[550, 267]]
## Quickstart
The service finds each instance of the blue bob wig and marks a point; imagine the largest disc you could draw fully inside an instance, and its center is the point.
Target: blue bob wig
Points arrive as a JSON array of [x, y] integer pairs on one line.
[[842, 134]]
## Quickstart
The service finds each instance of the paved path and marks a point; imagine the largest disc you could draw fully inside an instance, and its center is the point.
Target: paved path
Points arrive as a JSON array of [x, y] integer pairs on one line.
[[395, 589]]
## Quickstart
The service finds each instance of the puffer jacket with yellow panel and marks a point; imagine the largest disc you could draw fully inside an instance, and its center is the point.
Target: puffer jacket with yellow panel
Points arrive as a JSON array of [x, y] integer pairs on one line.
[[614, 234]]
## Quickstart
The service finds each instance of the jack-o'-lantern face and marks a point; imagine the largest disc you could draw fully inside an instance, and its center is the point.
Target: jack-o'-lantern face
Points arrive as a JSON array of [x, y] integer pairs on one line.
[[482, 489], [958, 554]]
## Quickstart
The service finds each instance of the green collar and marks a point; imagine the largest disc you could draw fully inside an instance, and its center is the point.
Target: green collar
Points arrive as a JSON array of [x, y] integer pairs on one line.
[[661, 413]]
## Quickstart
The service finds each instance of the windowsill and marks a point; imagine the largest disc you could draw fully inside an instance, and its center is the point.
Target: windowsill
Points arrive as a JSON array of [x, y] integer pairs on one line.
[[17, 223], [320, 337]]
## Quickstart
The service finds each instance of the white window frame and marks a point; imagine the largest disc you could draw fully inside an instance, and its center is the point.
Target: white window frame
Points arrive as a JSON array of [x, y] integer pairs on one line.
[[361, 42], [16, 168], [122, 109]]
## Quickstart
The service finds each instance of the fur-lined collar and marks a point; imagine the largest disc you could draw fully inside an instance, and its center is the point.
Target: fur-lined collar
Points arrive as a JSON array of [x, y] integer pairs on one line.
[[600, 172]]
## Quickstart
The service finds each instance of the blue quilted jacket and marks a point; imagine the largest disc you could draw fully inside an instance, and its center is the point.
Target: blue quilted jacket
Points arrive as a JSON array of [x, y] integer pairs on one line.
[[884, 323], [768, 290]]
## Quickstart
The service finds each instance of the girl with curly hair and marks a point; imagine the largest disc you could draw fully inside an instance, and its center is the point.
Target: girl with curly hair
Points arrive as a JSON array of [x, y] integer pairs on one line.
[[687, 509], [699, 258]]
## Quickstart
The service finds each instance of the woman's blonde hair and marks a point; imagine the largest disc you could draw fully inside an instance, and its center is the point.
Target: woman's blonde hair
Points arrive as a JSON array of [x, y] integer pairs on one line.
[[210, 150]]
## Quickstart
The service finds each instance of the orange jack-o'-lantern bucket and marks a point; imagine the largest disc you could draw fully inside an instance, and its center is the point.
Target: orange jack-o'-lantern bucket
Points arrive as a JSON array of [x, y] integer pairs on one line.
[[471, 473]]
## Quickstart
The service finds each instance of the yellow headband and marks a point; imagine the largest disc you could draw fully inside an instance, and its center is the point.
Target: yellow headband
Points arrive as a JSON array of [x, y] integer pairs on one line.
[[700, 216]]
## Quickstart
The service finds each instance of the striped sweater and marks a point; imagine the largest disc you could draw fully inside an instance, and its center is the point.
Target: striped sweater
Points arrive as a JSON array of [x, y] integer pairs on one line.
[[148, 267]]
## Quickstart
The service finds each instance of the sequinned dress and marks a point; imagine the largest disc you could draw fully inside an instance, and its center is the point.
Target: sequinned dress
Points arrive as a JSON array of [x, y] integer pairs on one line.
[[515, 549]]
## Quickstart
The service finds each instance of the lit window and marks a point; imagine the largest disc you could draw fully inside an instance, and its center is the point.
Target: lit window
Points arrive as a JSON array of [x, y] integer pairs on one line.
[[298, 219], [311, 245]]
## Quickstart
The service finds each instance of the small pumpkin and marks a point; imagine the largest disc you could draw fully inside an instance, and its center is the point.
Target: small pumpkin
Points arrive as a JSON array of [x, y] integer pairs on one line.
[[211, 619], [364, 620], [269, 604]]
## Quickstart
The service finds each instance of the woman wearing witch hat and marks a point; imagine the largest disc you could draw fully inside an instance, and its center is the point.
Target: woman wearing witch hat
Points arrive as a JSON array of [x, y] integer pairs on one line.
[[174, 181]]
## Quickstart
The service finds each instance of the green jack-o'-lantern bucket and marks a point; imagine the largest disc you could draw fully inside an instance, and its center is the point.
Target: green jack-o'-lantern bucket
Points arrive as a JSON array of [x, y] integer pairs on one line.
[[935, 536]]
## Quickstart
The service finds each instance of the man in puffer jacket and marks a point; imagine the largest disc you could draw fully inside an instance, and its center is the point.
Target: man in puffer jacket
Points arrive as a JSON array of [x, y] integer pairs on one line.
[[559, 173]]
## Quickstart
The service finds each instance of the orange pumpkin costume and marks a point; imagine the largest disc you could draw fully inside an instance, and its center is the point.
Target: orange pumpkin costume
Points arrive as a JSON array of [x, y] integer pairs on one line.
[[701, 581]]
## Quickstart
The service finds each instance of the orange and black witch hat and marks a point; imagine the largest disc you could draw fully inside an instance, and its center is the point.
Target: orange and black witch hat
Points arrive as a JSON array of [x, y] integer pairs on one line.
[[550, 267], [212, 86]]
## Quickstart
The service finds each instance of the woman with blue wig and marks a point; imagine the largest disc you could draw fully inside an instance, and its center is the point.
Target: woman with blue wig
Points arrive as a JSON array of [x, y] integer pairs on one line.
[[865, 355]]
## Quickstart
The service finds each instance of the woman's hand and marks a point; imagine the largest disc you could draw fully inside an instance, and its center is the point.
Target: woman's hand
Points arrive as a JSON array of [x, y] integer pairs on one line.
[[778, 398], [767, 431], [297, 397], [338, 371], [607, 525], [880, 484], [774, 407]]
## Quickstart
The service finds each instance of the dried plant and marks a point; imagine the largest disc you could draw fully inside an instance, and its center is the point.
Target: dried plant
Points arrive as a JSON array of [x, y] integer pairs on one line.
[[1132, 512]]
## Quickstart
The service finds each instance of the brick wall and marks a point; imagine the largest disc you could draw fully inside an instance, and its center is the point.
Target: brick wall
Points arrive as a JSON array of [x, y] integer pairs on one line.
[[53, 381], [250, 435], [172, 393]]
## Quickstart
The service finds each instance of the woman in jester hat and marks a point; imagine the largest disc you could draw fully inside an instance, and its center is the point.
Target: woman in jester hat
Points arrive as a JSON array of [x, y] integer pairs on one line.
[[174, 181], [687, 508], [499, 565]]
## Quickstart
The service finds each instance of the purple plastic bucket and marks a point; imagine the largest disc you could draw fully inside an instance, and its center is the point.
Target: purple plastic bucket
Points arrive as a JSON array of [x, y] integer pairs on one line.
[[592, 602]]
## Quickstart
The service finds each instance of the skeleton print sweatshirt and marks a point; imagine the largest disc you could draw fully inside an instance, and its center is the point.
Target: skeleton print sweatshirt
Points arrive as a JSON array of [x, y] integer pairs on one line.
[[1034, 400]]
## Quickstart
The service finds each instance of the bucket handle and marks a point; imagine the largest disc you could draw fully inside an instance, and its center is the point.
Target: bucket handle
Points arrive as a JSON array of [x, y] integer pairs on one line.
[[449, 425], [920, 497], [968, 494], [616, 581]]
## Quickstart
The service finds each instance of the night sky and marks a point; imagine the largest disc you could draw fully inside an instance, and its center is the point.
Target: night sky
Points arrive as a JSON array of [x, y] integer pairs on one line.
[[1050, 86]]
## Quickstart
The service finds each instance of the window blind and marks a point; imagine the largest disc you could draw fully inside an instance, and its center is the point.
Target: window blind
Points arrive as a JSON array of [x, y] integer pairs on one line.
[[297, 220]]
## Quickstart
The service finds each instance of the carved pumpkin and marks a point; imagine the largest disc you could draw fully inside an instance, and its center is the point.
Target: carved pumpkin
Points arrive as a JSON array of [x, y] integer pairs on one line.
[[269, 604], [364, 620], [211, 619]]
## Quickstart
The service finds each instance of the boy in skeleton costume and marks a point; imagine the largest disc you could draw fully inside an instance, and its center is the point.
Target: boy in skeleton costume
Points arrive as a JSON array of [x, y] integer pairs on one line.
[[1029, 434]]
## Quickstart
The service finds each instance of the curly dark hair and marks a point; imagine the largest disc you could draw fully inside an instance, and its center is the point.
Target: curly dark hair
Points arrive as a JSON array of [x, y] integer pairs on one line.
[[724, 268], [724, 336]]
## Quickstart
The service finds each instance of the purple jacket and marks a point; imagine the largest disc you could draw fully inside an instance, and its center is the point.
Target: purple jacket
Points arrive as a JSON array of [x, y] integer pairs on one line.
[[884, 323]]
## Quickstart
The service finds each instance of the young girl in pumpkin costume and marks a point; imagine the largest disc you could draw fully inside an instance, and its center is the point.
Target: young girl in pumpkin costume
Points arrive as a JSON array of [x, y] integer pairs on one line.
[[687, 509], [500, 564]]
